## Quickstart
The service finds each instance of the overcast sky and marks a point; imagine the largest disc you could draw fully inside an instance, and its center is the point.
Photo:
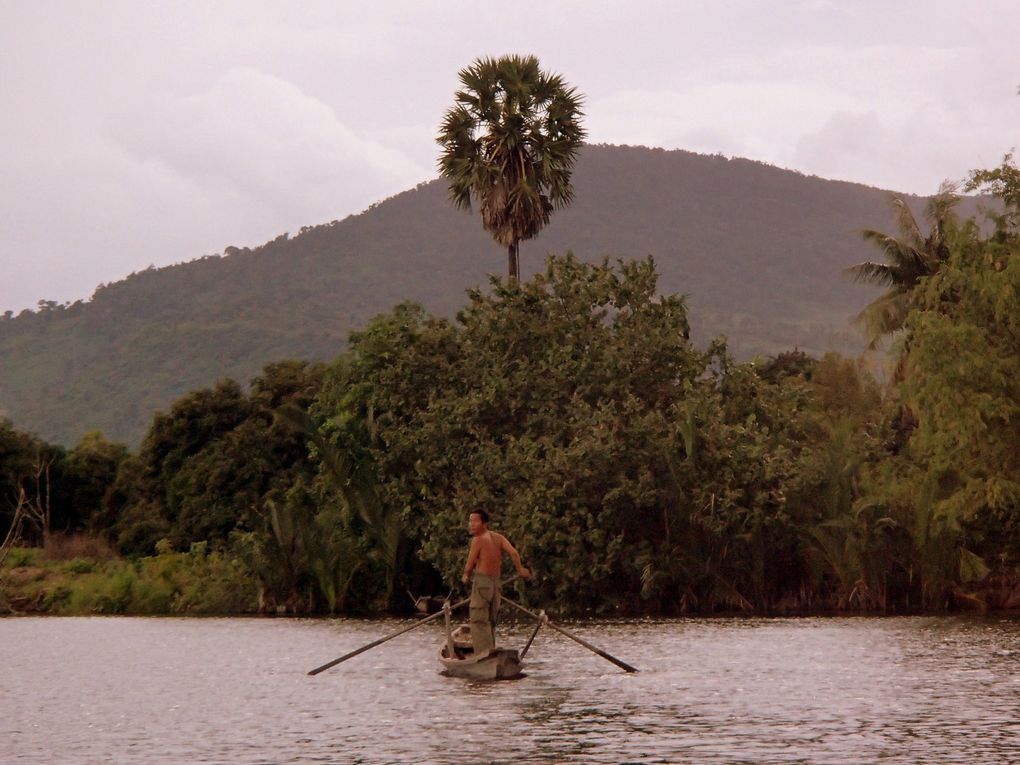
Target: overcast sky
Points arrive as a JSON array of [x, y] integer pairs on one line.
[[137, 133]]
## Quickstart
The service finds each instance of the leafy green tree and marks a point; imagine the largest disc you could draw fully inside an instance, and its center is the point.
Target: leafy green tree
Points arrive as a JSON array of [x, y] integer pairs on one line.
[[309, 556], [855, 548], [909, 258], [192, 448], [17, 458], [365, 435], [967, 389], [1003, 182], [951, 489], [732, 531], [207, 464], [132, 510], [620, 459], [509, 144], [32, 479], [90, 471]]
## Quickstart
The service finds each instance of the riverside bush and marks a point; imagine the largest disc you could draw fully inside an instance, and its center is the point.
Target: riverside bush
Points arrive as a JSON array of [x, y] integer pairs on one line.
[[79, 566], [22, 556], [77, 546], [168, 583]]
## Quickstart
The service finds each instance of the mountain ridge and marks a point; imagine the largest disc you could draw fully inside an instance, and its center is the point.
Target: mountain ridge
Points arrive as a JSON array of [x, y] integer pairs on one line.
[[757, 249]]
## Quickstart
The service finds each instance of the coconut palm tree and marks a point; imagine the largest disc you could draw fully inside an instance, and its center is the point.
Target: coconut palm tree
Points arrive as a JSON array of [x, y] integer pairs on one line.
[[908, 259], [509, 144]]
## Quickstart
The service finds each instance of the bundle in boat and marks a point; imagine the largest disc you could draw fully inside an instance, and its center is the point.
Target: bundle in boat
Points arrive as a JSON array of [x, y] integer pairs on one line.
[[458, 658]]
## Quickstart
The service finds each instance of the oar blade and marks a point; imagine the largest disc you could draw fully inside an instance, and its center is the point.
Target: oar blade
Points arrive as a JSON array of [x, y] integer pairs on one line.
[[580, 641], [382, 640]]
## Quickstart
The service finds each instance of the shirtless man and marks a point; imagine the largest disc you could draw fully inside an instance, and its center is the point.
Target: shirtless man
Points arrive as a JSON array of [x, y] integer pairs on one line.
[[486, 561]]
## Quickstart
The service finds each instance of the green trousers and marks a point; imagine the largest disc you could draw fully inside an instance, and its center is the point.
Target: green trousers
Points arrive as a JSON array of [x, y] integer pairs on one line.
[[483, 608]]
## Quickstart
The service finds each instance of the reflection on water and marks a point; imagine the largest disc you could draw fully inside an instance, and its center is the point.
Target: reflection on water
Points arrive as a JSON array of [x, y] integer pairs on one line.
[[900, 690]]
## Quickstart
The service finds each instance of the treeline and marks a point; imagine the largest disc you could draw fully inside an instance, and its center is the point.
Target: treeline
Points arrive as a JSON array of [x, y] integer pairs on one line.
[[729, 233], [637, 472]]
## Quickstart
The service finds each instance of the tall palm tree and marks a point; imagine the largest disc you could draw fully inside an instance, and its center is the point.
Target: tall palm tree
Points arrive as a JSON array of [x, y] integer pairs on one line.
[[908, 259], [509, 144]]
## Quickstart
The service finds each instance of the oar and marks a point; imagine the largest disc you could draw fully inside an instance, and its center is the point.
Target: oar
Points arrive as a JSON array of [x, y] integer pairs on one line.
[[382, 640], [398, 633], [538, 626], [621, 664]]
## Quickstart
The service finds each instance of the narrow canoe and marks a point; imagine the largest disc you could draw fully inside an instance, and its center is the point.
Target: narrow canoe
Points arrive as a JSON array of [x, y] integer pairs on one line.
[[501, 664]]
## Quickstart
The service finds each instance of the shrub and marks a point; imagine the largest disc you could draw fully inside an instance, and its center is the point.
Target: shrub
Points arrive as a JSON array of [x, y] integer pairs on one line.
[[72, 546], [79, 566], [55, 600], [22, 556], [108, 591]]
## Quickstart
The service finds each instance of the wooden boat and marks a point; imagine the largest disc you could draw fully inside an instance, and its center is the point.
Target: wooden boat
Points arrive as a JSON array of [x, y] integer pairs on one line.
[[428, 604], [456, 654]]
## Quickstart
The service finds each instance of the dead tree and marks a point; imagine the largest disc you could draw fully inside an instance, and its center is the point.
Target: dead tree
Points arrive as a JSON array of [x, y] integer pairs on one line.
[[17, 523]]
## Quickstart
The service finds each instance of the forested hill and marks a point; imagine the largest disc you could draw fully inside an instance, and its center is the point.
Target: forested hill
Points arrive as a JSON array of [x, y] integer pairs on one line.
[[757, 249]]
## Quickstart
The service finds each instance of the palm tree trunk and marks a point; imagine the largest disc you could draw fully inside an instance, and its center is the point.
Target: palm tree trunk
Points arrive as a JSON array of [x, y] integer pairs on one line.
[[514, 261]]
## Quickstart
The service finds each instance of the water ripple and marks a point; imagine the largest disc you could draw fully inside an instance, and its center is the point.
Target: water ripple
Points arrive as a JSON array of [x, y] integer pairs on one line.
[[901, 690]]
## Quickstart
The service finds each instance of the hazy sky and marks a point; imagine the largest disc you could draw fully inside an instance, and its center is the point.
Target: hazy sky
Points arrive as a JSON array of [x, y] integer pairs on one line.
[[137, 133]]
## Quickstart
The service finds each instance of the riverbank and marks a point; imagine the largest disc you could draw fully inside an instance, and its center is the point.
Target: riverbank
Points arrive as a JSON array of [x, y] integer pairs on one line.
[[210, 583], [194, 582]]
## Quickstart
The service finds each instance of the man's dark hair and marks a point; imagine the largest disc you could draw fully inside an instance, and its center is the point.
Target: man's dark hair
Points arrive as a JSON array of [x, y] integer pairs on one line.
[[481, 514]]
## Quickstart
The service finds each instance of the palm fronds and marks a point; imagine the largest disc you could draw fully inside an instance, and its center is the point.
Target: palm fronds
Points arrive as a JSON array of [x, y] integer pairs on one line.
[[910, 257], [509, 144]]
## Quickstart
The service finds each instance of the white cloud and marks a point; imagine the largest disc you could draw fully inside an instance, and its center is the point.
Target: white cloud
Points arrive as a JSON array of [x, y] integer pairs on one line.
[[169, 178], [255, 137], [902, 117], [752, 119], [137, 133]]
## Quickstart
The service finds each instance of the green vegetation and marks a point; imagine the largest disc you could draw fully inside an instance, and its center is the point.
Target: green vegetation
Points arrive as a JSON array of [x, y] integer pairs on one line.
[[510, 142], [194, 582], [908, 260], [636, 471], [756, 250]]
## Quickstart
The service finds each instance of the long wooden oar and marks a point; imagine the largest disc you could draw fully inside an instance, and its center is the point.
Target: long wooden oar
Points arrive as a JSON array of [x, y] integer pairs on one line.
[[382, 640], [538, 625], [621, 664], [398, 633]]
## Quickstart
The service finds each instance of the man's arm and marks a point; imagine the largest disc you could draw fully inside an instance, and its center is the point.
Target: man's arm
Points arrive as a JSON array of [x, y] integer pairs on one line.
[[476, 549], [510, 550]]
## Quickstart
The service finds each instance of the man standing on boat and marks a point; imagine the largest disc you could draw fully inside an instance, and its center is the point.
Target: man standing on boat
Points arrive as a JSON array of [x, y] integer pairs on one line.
[[486, 561]]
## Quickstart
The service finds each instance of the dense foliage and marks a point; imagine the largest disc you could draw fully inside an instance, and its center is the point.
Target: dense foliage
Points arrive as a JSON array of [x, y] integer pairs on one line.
[[637, 471]]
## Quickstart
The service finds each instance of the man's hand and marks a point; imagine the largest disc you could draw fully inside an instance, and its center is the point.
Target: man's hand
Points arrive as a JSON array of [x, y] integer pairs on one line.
[[466, 579], [525, 572]]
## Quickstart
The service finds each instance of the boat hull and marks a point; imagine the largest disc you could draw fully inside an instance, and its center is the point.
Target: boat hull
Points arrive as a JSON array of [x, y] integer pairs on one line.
[[504, 664]]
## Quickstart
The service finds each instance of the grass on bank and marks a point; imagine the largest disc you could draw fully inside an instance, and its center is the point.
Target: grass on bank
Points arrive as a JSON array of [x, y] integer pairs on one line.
[[81, 575]]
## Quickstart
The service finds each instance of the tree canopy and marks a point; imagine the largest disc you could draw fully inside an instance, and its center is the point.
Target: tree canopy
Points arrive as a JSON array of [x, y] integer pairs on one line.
[[509, 145]]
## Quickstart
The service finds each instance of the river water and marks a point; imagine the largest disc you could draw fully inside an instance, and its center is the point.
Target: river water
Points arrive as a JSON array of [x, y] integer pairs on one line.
[[812, 690]]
